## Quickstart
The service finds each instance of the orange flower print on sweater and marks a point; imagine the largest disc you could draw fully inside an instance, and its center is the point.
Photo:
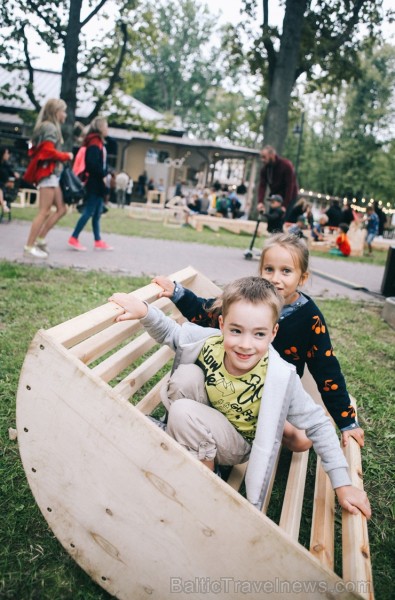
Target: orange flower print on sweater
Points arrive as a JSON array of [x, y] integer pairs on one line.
[[318, 326], [350, 412], [292, 351]]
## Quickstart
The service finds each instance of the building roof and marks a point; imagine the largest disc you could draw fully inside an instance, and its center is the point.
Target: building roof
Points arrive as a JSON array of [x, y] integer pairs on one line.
[[225, 147], [47, 85]]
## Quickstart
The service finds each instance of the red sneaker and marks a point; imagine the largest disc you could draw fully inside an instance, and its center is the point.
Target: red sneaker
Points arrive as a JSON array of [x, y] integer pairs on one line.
[[100, 245], [76, 245]]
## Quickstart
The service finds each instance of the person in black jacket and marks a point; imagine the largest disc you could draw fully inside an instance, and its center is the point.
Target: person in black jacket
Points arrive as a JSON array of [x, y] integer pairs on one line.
[[7, 178], [95, 171], [347, 214], [275, 215], [334, 214]]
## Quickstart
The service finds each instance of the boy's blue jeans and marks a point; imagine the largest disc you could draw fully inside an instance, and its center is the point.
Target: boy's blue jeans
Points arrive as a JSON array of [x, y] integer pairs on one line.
[[93, 207]]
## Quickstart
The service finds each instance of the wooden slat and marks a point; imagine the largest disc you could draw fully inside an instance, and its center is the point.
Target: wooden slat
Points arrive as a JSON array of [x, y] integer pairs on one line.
[[294, 492], [95, 346], [79, 328], [120, 360], [117, 362], [91, 349], [137, 378], [152, 399], [322, 538], [356, 553], [236, 476]]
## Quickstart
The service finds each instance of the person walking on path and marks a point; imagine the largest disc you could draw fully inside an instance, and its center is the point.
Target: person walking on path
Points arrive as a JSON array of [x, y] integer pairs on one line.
[[96, 170], [372, 226], [43, 171], [277, 178]]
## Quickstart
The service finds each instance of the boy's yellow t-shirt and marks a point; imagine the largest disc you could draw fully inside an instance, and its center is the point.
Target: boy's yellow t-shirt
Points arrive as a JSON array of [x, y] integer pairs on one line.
[[238, 398]]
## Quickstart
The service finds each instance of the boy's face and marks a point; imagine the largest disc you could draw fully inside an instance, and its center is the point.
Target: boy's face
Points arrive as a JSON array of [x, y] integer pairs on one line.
[[248, 329]]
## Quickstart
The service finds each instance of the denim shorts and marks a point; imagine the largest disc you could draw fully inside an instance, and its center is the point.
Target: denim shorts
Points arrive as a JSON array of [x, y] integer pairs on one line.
[[51, 181], [370, 237]]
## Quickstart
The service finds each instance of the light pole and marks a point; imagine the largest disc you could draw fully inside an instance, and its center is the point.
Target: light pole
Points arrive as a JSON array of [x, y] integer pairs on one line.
[[298, 130]]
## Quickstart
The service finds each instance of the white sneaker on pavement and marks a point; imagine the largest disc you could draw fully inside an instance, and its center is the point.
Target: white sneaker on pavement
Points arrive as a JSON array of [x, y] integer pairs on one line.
[[35, 252]]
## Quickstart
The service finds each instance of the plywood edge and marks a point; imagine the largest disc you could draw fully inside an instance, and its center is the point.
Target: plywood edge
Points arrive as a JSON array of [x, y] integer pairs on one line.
[[356, 551]]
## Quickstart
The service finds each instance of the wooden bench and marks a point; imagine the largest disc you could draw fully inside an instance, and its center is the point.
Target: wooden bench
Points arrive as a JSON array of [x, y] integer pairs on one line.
[[133, 508], [233, 225], [356, 235]]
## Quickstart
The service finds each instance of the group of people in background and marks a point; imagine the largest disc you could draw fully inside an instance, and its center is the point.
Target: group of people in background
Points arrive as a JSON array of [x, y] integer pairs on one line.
[[301, 221], [278, 202]]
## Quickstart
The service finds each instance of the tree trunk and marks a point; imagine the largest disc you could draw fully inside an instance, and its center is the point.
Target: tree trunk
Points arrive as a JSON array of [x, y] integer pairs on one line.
[[284, 77], [68, 91]]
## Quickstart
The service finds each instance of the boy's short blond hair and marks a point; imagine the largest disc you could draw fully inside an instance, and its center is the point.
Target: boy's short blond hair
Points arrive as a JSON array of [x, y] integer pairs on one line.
[[255, 290]]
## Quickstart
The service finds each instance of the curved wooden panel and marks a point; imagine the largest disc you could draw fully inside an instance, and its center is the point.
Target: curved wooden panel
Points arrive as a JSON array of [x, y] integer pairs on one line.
[[135, 511]]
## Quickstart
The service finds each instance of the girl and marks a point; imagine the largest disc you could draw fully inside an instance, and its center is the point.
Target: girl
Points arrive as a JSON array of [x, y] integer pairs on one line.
[[95, 172], [302, 337], [44, 172]]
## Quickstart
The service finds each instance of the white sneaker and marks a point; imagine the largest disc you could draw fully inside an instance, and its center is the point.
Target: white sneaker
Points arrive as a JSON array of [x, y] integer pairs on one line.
[[35, 252], [41, 244]]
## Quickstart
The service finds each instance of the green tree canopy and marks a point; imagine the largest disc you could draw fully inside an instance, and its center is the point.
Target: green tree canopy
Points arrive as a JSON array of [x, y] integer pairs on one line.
[[180, 67], [318, 40], [60, 26]]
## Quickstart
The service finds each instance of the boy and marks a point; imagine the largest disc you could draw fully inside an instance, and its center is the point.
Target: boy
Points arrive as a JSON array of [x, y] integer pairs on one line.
[[230, 392], [342, 242], [318, 230], [372, 226], [275, 215]]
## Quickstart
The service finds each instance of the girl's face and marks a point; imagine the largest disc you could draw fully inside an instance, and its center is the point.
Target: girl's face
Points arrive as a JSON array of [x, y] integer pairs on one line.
[[61, 115], [6, 154], [282, 270]]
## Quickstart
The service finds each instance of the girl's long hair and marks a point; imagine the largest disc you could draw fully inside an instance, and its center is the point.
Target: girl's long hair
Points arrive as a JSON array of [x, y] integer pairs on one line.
[[48, 113], [96, 126]]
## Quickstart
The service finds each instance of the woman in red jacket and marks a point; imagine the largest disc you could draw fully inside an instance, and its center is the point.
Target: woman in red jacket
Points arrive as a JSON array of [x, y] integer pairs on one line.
[[43, 171]]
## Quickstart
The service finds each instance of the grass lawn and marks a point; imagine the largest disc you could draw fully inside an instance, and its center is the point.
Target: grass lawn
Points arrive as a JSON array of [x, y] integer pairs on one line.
[[33, 565], [116, 222]]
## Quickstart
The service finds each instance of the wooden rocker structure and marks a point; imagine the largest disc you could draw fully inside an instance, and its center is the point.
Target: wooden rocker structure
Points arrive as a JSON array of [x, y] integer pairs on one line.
[[134, 509]]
